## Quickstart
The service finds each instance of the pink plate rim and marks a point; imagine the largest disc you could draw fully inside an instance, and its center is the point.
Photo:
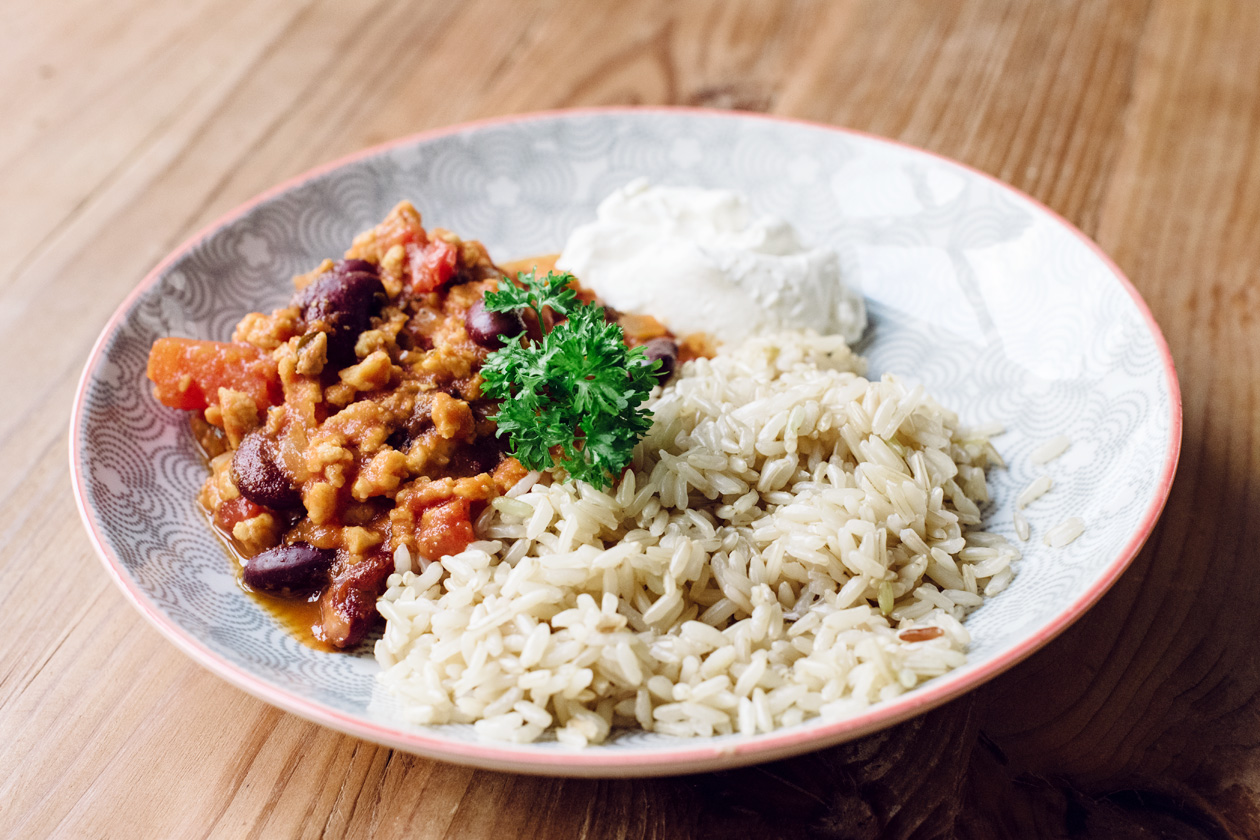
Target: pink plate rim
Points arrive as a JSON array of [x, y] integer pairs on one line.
[[676, 759]]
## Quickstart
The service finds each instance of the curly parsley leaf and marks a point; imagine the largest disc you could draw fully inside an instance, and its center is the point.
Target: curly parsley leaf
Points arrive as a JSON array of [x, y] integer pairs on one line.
[[576, 399], [552, 291]]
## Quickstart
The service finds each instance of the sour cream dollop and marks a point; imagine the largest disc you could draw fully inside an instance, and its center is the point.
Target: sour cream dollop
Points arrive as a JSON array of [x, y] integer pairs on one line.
[[701, 262]]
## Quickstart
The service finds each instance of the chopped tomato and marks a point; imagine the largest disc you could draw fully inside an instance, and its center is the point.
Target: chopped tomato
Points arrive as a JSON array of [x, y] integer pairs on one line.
[[236, 510], [188, 374], [432, 264], [445, 529]]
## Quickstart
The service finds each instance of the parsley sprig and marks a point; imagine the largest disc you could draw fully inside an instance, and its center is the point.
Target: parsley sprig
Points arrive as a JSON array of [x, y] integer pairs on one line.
[[574, 400]]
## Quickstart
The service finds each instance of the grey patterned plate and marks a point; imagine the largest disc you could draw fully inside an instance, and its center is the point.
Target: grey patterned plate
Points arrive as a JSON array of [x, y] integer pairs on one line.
[[1002, 309]]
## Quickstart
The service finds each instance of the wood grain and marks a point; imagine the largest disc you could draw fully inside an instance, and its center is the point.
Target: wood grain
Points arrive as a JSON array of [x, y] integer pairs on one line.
[[131, 125]]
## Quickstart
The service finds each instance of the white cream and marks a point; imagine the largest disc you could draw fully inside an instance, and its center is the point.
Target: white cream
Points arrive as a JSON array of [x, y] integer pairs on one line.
[[701, 262]]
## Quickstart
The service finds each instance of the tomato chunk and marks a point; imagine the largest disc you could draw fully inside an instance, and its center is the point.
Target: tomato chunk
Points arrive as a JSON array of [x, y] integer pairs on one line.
[[236, 510], [188, 374], [445, 529], [432, 264]]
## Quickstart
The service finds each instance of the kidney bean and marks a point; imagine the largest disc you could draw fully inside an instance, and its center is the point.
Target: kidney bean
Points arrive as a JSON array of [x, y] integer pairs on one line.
[[349, 266], [492, 329], [347, 608], [299, 567], [480, 456], [257, 474], [345, 299], [420, 421], [666, 350]]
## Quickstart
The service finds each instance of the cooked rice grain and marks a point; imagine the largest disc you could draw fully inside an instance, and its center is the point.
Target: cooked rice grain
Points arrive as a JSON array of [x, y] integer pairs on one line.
[[783, 522], [1039, 487], [1022, 529], [1050, 450], [1065, 532]]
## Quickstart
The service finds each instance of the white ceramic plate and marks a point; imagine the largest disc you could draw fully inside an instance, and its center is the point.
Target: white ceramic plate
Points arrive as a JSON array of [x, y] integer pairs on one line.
[[1001, 308]]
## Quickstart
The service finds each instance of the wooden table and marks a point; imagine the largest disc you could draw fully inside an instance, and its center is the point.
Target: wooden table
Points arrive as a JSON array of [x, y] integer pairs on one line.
[[132, 124]]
